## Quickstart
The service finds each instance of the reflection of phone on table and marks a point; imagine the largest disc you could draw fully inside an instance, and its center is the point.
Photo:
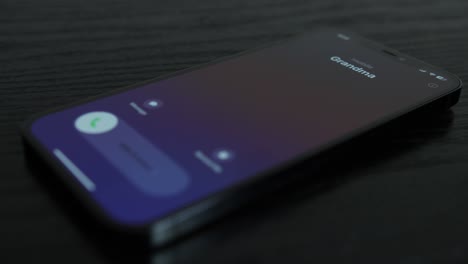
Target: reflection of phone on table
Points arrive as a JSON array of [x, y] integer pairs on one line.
[[163, 157]]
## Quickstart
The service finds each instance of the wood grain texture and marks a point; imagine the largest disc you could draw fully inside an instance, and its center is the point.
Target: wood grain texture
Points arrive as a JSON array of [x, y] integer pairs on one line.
[[410, 207]]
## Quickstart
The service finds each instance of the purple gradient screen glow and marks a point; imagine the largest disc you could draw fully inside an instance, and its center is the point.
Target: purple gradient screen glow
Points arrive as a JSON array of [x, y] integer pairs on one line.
[[267, 107]]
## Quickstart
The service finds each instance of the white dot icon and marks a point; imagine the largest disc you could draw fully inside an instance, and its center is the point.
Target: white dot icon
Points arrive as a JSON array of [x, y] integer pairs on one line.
[[223, 154], [152, 103]]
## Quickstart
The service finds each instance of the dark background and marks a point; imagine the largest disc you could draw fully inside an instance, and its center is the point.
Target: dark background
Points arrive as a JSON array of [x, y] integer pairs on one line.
[[405, 199]]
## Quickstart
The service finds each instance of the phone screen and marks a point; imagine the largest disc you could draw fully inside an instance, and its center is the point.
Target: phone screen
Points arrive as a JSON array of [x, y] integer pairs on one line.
[[145, 152]]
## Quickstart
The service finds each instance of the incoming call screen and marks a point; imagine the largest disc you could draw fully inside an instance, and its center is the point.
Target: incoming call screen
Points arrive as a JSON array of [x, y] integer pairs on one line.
[[147, 151]]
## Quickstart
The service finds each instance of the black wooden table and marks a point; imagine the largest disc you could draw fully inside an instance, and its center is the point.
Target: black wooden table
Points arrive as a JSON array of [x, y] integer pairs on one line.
[[407, 202]]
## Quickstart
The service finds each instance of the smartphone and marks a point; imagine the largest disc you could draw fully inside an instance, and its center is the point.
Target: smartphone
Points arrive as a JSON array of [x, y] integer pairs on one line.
[[166, 156]]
